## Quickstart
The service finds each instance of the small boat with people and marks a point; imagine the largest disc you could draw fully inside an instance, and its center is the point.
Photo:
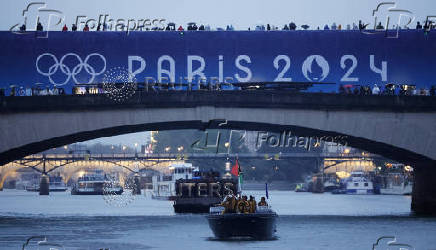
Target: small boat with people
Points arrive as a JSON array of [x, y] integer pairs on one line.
[[239, 217]]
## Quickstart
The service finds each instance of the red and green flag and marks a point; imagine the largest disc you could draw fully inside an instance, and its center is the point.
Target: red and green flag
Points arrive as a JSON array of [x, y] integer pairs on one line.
[[236, 171]]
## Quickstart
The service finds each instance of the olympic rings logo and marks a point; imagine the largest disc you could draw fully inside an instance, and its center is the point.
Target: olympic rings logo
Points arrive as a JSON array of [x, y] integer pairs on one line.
[[70, 73]]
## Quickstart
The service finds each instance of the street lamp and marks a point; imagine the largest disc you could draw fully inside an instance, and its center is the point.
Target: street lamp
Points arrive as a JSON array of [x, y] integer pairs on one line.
[[180, 148], [228, 175], [124, 150], [167, 149]]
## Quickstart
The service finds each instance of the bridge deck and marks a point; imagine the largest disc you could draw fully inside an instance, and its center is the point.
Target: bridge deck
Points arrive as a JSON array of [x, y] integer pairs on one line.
[[241, 99]]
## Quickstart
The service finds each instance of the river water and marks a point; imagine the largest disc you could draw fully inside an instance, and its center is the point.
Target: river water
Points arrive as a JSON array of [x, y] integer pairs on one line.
[[306, 221]]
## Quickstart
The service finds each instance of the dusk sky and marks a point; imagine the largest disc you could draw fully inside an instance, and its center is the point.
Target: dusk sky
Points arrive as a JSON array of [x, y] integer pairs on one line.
[[241, 14]]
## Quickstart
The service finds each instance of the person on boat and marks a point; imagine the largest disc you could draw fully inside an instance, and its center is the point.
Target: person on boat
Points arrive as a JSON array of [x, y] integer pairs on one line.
[[65, 28], [226, 204], [252, 202], [244, 205], [233, 204], [39, 27], [262, 202]]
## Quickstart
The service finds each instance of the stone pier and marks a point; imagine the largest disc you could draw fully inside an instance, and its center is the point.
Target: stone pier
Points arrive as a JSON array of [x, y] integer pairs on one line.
[[424, 190], [44, 184], [137, 185]]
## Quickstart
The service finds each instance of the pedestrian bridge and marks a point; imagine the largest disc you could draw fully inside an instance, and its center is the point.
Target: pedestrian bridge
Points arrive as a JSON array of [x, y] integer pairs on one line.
[[402, 128]]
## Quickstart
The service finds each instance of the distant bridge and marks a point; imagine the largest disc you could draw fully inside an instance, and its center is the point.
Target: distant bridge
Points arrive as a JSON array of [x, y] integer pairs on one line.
[[46, 163]]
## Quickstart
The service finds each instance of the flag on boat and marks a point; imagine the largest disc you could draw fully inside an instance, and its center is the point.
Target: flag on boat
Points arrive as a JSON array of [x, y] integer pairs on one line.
[[236, 171], [266, 190]]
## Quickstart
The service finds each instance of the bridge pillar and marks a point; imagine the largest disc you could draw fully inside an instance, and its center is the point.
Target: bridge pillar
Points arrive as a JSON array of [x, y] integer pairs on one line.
[[44, 183], [137, 185], [424, 190]]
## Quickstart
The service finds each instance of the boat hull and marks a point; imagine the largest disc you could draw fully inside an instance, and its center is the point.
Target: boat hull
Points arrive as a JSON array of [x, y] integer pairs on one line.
[[360, 191], [94, 192], [257, 226]]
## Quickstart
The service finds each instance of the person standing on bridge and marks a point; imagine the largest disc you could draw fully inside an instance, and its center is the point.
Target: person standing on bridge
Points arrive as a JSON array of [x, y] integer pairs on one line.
[[86, 28], [375, 90], [65, 28], [334, 27], [433, 90]]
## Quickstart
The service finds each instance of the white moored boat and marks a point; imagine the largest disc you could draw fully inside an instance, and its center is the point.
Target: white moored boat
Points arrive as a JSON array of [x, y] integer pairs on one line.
[[359, 183]]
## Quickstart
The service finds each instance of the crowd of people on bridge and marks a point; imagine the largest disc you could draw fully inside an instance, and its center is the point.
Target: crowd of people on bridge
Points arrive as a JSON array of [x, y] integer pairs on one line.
[[351, 89], [389, 89], [192, 26]]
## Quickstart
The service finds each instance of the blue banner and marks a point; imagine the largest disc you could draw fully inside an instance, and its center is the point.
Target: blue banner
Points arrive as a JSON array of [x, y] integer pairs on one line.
[[64, 59]]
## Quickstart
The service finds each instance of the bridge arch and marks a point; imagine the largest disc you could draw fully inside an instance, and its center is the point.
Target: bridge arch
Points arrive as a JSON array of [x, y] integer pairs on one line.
[[408, 137], [399, 128]]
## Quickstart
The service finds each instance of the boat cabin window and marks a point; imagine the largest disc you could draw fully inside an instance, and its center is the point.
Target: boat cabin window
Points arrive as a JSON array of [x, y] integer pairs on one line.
[[366, 184], [180, 170], [356, 184]]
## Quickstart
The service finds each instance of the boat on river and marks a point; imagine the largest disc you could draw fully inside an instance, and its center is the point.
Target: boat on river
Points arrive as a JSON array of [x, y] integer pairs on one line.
[[258, 225]]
